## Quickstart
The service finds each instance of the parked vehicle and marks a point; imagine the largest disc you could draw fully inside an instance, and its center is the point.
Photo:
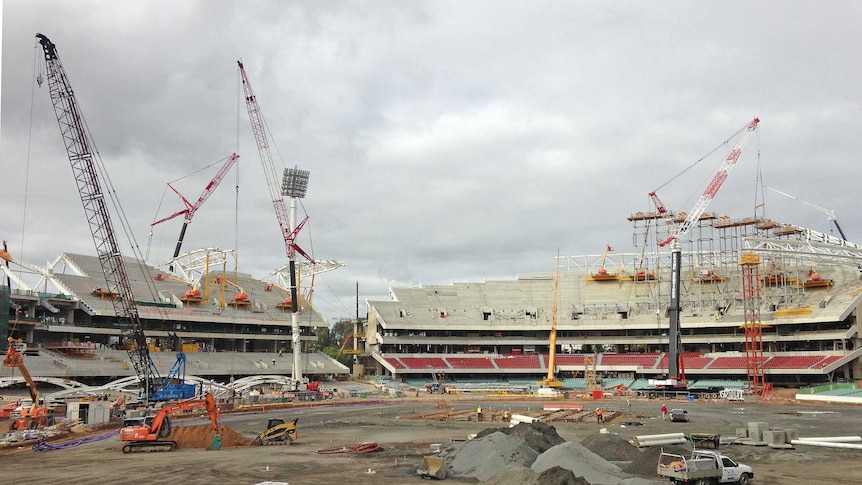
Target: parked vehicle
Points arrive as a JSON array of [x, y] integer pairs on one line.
[[679, 416], [703, 468]]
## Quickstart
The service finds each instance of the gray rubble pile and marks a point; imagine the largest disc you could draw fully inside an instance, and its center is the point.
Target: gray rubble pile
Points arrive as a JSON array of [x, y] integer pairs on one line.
[[611, 447], [534, 454]]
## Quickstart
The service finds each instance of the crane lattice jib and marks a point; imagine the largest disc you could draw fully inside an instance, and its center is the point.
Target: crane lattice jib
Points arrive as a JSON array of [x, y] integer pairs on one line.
[[717, 180], [189, 211], [78, 148], [272, 181]]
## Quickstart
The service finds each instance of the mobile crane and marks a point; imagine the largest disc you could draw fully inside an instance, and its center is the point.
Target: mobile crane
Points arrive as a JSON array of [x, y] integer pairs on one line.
[[676, 369], [550, 381], [83, 158], [189, 212], [285, 223], [149, 433]]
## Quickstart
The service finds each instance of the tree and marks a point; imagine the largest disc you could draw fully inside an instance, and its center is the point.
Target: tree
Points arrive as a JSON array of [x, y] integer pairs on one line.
[[330, 339]]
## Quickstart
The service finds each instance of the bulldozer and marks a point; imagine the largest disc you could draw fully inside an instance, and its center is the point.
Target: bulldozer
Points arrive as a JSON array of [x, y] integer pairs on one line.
[[278, 432]]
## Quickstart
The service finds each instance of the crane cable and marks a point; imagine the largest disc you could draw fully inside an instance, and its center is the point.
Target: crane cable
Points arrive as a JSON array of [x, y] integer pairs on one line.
[[725, 142]]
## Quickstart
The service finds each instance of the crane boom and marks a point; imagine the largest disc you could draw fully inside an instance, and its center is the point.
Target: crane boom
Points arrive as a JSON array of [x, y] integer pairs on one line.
[[190, 209], [81, 153], [717, 180], [830, 214], [257, 126], [676, 369]]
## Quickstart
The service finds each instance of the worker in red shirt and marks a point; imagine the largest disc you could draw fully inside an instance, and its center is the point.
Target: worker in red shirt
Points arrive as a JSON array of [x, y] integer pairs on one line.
[[664, 412]]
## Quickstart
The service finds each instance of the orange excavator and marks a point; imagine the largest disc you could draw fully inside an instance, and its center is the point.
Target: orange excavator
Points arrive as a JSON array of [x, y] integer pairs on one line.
[[148, 433], [37, 415]]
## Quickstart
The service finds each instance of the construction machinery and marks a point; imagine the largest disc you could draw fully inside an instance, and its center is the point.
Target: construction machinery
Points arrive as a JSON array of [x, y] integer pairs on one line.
[[294, 184], [676, 369], [174, 385], [550, 381], [278, 432], [148, 433], [830, 214], [189, 212], [86, 163], [36, 415], [432, 467]]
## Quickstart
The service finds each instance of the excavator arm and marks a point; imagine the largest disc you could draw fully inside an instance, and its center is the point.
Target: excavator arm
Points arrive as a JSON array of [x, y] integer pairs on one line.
[[208, 401]]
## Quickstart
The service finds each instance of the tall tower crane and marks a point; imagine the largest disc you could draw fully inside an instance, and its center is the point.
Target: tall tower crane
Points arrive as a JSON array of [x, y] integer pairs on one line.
[[190, 209], [295, 183], [676, 370], [82, 156]]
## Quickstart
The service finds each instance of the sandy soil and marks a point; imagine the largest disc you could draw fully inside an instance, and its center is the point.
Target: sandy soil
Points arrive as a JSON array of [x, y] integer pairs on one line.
[[404, 442]]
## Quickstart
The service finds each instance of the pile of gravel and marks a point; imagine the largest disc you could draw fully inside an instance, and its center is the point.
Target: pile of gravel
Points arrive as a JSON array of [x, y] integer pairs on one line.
[[521, 475], [534, 454], [611, 447], [482, 458], [538, 436]]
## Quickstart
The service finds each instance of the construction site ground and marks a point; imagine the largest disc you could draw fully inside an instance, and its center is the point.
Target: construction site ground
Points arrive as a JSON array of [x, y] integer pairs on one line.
[[406, 429]]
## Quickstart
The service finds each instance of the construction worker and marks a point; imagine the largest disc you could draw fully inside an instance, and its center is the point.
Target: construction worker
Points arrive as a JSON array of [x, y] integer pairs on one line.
[[479, 413], [599, 418], [664, 412]]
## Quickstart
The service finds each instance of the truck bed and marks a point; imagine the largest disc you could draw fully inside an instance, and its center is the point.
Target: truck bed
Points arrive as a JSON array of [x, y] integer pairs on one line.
[[676, 466]]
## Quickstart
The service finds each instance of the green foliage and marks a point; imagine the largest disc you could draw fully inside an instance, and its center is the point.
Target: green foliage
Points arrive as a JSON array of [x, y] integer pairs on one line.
[[329, 340]]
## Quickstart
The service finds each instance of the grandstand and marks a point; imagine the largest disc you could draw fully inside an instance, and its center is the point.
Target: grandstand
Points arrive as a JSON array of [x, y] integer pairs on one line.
[[72, 330], [500, 329]]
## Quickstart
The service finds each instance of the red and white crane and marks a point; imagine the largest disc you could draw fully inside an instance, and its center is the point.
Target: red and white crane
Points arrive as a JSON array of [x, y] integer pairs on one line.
[[294, 181], [676, 370], [189, 211]]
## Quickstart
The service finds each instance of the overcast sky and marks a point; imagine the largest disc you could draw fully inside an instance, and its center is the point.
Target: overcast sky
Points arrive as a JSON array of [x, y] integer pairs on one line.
[[447, 140]]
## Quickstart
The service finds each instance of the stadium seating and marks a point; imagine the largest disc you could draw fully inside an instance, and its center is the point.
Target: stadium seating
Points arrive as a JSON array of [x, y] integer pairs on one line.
[[792, 361], [640, 360], [729, 363], [518, 362], [470, 362], [424, 363]]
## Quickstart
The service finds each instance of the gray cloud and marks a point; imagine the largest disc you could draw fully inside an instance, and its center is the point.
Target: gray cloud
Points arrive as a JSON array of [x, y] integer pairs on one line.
[[448, 141]]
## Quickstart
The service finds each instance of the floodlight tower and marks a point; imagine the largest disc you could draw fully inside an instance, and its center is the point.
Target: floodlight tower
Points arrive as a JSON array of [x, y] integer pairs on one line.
[[294, 184]]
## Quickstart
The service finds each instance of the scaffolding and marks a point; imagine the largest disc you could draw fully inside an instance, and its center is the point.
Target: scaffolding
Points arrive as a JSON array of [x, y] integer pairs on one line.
[[754, 359]]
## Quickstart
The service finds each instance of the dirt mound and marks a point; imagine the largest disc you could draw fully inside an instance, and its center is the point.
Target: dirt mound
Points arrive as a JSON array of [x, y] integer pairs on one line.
[[517, 474], [539, 436], [513, 474], [559, 476], [202, 437], [645, 464], [611, 447]]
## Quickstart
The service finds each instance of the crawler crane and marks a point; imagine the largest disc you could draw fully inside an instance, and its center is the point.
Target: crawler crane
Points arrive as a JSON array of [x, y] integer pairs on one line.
[[83, 158], [676, 370]]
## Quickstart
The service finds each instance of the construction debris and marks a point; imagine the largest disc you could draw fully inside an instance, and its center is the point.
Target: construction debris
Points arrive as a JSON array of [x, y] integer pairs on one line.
[[534, 454]]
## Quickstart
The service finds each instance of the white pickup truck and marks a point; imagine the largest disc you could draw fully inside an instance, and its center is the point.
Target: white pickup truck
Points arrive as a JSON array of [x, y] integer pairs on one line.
[[703, 468]]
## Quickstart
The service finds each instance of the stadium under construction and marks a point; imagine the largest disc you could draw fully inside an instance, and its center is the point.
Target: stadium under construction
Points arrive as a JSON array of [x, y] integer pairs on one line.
[[611, 318], [761, 303]]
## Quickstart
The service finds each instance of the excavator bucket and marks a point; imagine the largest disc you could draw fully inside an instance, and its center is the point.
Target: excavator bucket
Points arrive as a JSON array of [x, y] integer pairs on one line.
[[216, 444], [432, 467]]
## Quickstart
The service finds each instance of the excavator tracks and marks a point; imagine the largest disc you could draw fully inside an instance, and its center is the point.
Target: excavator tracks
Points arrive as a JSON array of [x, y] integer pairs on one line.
[[147, 446]]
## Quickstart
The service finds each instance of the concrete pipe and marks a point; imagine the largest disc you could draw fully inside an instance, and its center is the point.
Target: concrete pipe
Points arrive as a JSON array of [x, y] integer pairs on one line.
[[828, 444], [835, 439]]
